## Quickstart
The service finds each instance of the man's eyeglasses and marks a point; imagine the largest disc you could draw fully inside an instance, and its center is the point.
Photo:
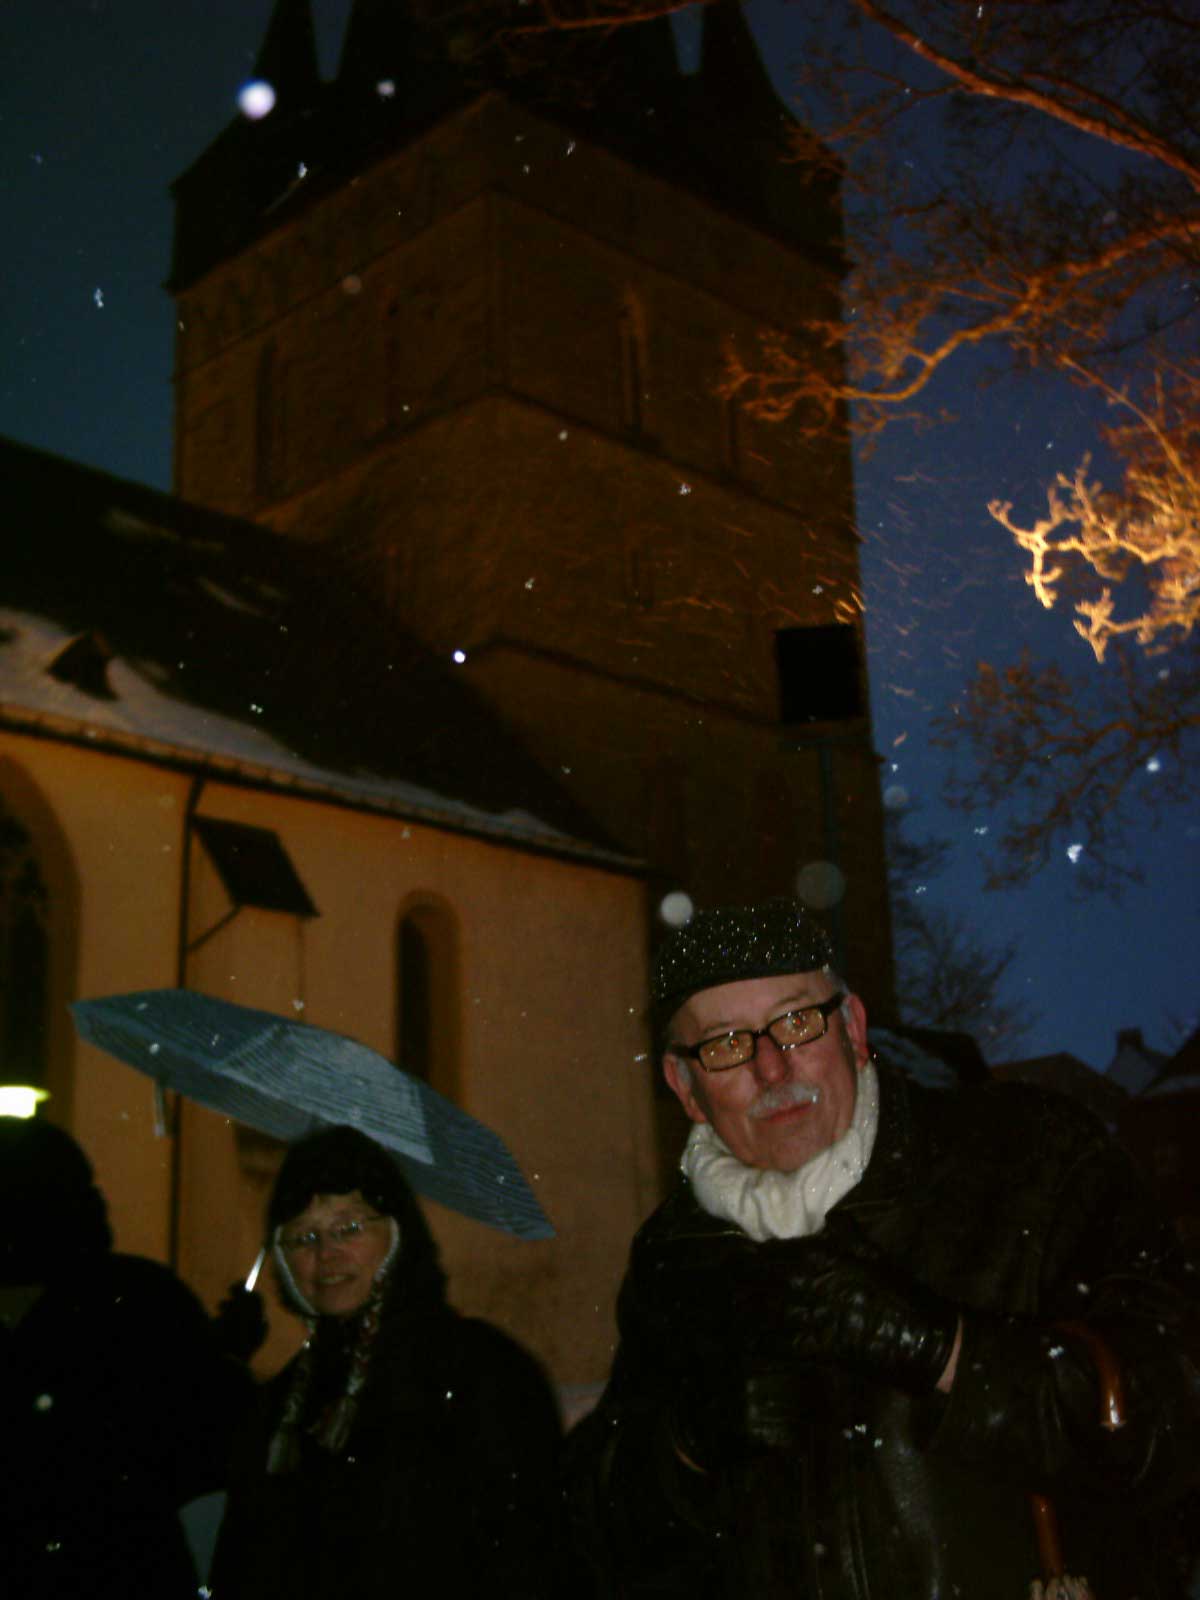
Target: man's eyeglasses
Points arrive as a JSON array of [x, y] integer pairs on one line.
[[792, 1029], [341, 1233]]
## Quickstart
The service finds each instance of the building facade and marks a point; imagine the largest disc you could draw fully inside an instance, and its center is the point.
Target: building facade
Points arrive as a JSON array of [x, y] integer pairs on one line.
[[467, 328], [202, 786]]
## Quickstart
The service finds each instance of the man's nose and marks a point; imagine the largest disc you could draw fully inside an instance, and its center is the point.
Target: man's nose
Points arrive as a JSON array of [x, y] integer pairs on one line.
[[769, 1063]]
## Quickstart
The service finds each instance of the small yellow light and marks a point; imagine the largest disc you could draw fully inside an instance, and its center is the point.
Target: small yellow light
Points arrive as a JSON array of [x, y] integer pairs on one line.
[[20, 1100]]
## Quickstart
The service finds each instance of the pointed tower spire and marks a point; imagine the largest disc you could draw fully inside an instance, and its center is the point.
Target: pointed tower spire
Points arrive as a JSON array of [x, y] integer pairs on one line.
[[287, 59], [377, 40], [732, 71]]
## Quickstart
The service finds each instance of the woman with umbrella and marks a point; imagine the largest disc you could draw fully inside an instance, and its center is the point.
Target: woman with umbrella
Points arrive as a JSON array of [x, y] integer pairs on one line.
[[406, 1448]]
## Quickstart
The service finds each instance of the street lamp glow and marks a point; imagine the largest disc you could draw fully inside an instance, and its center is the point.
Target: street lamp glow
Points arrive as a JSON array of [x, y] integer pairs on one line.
[[20, 1099]]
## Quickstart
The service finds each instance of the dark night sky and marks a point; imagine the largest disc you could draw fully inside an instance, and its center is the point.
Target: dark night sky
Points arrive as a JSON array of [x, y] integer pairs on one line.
[[106, 101]]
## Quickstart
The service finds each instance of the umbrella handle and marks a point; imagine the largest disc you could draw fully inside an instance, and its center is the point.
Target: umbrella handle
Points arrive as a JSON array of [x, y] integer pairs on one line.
[[252, 1275], [1112, 1417], [1108, 1372]]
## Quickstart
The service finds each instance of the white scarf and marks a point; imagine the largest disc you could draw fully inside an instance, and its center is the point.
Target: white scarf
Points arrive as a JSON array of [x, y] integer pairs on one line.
[[783, 1205]]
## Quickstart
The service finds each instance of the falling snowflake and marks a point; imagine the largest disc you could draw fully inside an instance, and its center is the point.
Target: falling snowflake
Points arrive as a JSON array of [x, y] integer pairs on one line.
[[1074, 851], [385, 88], [460, 656], [256, 99], [676, 909], [98, 297], [821, 884]]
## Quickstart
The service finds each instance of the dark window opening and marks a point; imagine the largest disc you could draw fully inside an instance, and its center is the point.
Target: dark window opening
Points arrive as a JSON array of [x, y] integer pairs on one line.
[[254, 866], [427, 996], [269, 424], [24, 958], [819, 674], [416, 1000], [633, 375]]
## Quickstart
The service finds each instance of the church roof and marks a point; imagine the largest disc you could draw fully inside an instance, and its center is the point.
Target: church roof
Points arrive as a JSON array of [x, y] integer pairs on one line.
[[1066, 1074], [288, 57], [721, 132], [132, 621]]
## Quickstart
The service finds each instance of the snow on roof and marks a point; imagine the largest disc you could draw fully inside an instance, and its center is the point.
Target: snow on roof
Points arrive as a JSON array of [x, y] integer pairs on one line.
[[1181, 1085], [920, 1065], [142, 720]]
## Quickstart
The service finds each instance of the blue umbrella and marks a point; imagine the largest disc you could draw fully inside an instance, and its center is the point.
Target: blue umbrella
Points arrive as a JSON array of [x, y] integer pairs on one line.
[[288, 1079]]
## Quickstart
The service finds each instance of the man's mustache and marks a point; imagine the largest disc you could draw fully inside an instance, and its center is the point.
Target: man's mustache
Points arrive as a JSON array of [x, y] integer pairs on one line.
[[783, 1096]]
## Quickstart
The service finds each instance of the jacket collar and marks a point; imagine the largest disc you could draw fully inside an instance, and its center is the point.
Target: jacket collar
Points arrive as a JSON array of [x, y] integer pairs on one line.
[[901, 1155]]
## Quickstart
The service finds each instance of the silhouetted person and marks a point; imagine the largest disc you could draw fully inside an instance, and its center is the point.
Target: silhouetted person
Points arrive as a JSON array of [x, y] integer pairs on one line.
[[117, 1402]]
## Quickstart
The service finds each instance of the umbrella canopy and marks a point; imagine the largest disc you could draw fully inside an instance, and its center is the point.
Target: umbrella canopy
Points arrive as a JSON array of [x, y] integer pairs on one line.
[[288, 1079]]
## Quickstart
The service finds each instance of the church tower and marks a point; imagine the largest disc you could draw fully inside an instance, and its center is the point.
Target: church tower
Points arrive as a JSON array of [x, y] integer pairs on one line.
[[460, 314]]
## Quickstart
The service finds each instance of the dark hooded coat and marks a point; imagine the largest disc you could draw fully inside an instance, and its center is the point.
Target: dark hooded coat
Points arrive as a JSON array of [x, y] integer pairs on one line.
[[447, 1483], [116, 1404], [706, 1477]]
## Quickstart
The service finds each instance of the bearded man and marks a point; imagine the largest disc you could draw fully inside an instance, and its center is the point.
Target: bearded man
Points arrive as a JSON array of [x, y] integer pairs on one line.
[[879, 1335]]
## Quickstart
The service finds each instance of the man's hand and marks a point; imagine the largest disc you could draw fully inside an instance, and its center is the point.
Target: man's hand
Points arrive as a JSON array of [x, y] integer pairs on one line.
[[813, 1300]]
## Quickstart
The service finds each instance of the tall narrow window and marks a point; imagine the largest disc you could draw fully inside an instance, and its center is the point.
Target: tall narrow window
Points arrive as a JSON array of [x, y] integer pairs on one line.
[[631, 328], [416, 998], [733, 433], [394, 391], [819, 675], [268, 423], [427, 995], [24, 957]]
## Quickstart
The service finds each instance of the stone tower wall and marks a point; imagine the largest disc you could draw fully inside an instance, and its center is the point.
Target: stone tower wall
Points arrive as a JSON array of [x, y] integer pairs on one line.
[[486, 370]]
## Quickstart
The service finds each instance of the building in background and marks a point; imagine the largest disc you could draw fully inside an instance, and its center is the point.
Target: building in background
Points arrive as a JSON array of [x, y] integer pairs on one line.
[[479, 620], [1150, 1101], [1135, 1066], [460, 320], [1066, 1074], [218, 771], [1160, 1125]]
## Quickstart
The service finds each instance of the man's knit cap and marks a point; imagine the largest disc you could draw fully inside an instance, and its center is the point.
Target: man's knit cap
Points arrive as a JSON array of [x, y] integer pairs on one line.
[[729, 943]]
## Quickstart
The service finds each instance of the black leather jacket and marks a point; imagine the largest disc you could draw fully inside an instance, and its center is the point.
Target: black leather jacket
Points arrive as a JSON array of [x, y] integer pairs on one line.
[[703, 1474]]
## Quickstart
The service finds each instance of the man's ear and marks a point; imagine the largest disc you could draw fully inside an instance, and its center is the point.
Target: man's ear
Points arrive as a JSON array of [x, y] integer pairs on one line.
[[854, 1015], [679, 1075]]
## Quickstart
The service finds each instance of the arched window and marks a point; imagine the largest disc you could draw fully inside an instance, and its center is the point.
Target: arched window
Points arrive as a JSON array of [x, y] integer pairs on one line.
[[269, 422], [631, 334], [24, 958], [427, 995]]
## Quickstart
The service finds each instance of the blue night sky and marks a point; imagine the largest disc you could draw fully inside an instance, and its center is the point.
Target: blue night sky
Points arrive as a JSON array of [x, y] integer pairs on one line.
[[109, 100]]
